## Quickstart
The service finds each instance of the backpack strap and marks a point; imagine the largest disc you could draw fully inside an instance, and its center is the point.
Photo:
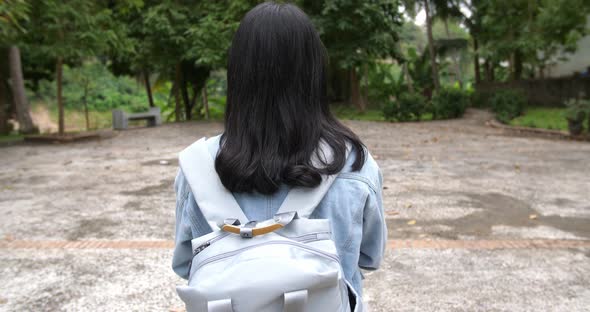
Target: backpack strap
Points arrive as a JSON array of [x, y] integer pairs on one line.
[[215, 201], [304, 200]]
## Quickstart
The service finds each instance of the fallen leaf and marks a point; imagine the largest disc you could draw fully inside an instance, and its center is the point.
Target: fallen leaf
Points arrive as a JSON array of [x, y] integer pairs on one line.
[[391, 213], [409, 206], [411, 222], [533, 216]]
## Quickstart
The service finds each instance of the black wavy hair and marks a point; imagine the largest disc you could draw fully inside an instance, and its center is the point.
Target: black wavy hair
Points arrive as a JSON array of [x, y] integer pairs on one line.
[[277, 110]]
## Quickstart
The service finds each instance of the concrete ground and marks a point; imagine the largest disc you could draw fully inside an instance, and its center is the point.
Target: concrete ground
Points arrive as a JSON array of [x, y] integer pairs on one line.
[[479, 220]]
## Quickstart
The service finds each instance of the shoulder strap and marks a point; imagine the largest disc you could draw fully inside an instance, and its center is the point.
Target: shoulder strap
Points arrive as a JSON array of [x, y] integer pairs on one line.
[[305, 200], [215, 201]]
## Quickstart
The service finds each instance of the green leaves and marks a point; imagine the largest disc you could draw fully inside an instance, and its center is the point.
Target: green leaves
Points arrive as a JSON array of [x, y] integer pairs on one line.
[[355, 31], [13, 14]]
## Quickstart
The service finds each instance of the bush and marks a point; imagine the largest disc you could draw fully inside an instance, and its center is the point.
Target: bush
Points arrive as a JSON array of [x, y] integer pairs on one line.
[[507, 105], [103, 91], [449, 103], [407, 107]]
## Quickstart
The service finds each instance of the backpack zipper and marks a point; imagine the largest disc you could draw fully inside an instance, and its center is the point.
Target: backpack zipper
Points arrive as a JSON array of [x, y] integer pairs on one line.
[[299, 245], [208, 243]]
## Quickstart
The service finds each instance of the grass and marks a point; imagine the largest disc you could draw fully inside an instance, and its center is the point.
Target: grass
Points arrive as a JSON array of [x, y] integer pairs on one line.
[[9, 138], [542, 117]]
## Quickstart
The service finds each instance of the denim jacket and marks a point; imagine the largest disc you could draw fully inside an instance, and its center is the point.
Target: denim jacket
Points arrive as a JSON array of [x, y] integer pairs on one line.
[[353, 204]]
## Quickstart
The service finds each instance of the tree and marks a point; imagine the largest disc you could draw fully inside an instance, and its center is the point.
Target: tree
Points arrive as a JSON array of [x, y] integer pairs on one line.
[[71, 30], [522, 32], [21, 103], [12, 14], [356, 33]]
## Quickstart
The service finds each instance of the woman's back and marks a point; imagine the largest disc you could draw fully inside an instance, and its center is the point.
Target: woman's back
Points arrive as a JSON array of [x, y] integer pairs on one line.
[[277, 117], [353, 204]]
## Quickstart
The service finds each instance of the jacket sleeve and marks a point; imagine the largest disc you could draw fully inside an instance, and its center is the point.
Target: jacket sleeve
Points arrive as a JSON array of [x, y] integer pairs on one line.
[[374, 228], [183, 233]]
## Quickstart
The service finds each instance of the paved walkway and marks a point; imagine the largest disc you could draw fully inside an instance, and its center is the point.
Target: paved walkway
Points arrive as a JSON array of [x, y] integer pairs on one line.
[[479, 220]]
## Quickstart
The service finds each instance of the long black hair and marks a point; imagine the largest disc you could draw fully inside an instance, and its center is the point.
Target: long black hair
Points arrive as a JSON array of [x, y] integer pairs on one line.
[[277, 110]]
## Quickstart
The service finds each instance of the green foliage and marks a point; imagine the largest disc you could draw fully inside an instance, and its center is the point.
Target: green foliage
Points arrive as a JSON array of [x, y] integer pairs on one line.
[[531, 31], [13, 13], [383, 81], [100, 88], [449, 103], [419, 69], [356, 32], [407, 107], [507, 104], [577, 109], [541, 117], [74, 29]]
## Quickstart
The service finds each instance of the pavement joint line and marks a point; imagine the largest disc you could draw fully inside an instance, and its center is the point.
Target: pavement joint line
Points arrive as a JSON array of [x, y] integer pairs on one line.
[[392, 244]]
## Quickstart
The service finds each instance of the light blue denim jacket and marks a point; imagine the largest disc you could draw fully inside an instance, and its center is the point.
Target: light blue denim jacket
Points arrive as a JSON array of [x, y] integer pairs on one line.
[[353, 204]]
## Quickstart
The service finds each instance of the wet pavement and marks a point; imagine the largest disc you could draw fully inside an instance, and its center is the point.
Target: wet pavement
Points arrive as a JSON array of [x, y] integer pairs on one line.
[[456, 182]]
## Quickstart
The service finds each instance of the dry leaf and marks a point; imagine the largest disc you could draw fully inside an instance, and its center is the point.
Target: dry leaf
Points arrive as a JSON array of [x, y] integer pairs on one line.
[[411, 222], [533, 216], [409, 206], [391, 213]]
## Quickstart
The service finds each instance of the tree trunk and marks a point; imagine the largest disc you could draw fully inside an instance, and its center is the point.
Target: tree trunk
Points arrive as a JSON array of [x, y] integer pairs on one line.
[[148, 87], [177, 93], [185, 99], [4, 128], [60, 104], [476, 61], [356, 96], [433, 65], [85, 102], [205, 101], [195, 94], [21, 103], [517, 65], [488, 70]]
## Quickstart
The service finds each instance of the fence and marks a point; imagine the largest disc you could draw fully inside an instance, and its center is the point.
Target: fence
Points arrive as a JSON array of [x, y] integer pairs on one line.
[[550, 92]]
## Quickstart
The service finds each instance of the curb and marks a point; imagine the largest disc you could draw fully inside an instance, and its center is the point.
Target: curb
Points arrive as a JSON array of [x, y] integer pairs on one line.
[[537, 132]]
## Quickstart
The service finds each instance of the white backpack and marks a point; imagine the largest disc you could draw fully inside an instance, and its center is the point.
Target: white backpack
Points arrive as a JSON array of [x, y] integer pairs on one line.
[[289, 263]]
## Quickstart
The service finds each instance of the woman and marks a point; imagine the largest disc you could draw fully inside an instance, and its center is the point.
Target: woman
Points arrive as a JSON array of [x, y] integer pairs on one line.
[[277, 114]]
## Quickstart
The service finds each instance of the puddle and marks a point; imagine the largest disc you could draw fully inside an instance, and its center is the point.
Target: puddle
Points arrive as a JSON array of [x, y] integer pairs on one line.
[[493, 209]]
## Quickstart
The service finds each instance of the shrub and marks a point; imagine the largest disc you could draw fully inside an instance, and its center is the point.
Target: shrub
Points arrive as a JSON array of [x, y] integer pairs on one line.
[[407, 107], [507, 105], [449, 103], [104, 91]]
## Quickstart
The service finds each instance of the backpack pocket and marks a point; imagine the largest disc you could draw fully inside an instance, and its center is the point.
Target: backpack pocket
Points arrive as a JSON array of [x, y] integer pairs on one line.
[[268, 277]]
